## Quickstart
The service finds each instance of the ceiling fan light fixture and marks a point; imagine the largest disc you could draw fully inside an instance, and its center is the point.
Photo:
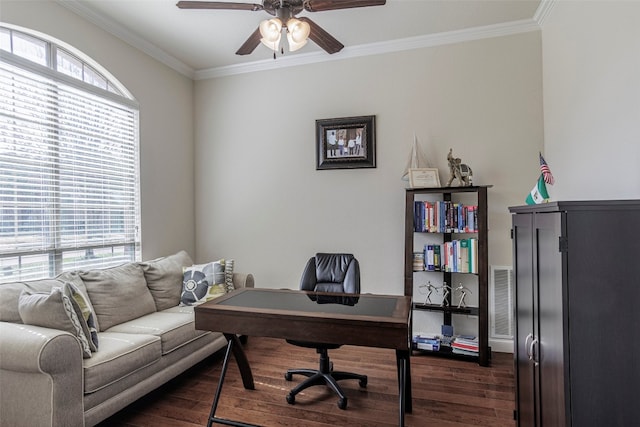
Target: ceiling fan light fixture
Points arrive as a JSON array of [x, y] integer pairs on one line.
[[271, 30], [297, 33]]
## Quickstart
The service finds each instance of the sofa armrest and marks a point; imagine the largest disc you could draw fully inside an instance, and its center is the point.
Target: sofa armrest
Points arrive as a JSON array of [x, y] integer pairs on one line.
[[40, 377], [243, 280]]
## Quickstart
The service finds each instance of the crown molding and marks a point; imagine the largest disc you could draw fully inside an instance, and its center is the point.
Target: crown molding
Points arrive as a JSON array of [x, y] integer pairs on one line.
[[419, 42], [543, 11], [128, 36]]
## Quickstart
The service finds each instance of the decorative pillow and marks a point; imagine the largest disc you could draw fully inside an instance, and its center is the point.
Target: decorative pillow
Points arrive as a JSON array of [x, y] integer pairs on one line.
[[164, 278], [202, 282], [54, 310], [228, 275], [85, 314], [74, 278]]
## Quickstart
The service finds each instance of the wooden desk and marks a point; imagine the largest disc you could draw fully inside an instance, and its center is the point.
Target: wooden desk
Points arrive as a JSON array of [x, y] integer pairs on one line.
[[364, 320]]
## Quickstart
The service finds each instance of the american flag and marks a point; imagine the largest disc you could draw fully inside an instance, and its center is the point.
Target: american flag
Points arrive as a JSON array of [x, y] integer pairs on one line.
[[546, 172]]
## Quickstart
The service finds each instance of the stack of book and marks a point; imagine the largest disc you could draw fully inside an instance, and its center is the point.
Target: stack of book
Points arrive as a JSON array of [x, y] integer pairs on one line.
[[426, 342], [465, 345], [418, 261]]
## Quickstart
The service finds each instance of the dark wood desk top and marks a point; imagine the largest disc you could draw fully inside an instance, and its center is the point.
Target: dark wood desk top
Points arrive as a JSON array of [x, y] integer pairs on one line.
[[364, 320]]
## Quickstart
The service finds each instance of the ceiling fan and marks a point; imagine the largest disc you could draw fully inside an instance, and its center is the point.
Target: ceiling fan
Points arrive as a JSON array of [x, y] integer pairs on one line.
[[298, 30]]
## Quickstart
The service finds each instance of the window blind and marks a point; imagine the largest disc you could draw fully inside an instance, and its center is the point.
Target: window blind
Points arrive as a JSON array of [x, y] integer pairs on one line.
[[69, 179]]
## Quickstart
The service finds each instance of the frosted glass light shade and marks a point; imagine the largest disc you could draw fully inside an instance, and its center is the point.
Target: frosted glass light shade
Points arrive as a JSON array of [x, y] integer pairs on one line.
[[297, 33], [271, 30]]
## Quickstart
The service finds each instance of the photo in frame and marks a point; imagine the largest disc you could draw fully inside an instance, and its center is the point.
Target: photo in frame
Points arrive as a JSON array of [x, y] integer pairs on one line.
[[346, 143], [424, 178]]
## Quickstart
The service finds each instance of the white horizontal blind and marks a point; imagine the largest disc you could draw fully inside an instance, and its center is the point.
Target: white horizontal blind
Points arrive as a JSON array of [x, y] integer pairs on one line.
[[69, 190]]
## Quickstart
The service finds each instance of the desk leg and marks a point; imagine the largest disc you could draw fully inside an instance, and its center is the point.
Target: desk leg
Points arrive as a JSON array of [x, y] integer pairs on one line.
[[247, 380], [403, 360], [242, 361]]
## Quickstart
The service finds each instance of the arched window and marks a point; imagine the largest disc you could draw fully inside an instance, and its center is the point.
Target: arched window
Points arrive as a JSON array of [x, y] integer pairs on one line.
[[69, 166]]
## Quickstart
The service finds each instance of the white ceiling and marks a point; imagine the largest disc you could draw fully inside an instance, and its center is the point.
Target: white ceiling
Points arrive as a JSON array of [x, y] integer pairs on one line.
[[202, 43]]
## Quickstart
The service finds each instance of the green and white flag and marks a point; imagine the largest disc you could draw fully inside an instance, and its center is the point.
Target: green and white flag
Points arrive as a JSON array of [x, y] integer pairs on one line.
[[539, 193]]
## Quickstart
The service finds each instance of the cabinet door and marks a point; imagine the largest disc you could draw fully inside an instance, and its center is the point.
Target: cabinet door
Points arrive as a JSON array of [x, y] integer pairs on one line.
[[526, 387], [550, 327]]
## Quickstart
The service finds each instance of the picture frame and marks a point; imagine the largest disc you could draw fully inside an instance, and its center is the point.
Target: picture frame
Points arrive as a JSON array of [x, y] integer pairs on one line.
[[346, 143], [424, 178]]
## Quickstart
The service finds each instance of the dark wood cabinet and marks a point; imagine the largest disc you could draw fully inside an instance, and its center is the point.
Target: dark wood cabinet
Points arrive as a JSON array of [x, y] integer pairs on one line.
[[449, 310], [577, 284]]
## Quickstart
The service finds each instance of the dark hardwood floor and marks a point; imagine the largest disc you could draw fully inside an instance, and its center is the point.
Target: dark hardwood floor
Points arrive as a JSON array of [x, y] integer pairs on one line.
[[445, 392]]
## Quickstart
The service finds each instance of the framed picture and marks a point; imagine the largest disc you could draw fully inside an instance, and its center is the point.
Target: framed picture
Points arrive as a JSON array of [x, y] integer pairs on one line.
[[346, 143], [424, 178]]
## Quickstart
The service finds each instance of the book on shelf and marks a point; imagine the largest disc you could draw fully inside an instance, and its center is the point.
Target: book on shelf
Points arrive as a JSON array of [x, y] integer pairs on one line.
[[444, 216], [465, 344], [426, 342]]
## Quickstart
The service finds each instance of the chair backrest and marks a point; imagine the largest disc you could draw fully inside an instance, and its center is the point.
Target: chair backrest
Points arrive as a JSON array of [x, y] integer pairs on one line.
[[339, 273]]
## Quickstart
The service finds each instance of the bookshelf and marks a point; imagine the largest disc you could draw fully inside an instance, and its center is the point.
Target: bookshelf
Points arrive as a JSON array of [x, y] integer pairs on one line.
[[451, 274]]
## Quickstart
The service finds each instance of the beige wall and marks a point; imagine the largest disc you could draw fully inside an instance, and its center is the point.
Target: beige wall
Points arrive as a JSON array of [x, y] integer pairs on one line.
[[592, 99], [166, 120], [261, 201]]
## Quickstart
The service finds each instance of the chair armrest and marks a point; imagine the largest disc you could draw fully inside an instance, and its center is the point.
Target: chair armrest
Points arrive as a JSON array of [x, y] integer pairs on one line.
[[243, 280], [43, 369]]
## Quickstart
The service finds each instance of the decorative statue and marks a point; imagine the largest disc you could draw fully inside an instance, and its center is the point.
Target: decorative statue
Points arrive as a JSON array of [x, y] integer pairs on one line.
[[430, 288], [463, 293], [446, 290], [459, 171]]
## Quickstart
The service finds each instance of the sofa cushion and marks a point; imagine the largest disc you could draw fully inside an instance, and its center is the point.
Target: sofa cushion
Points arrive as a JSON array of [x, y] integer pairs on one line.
[[118, 294], [202, 282], [119, 355], [164, 278], [55, 310], [175, 329]]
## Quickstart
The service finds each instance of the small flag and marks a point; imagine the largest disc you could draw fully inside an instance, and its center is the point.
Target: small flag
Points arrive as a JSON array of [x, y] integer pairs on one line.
[[546, 172], [539, 193]]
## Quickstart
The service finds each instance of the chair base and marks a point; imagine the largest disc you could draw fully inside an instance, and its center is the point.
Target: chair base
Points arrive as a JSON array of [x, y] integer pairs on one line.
[[323, 376]]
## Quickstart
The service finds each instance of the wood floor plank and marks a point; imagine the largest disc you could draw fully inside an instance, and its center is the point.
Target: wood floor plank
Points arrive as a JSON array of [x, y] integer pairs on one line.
[[446, 392]]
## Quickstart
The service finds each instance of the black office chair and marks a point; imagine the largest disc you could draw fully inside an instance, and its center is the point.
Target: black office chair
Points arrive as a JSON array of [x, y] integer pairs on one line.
[[336, 273]]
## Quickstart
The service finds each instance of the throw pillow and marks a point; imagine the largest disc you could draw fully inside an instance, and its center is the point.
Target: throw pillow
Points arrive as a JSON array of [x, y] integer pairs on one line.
[[202, 282], [85, 314], [53, 310], [164, 278]]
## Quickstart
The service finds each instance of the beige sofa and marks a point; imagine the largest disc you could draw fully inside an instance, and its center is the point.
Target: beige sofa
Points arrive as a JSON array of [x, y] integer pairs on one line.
[[145, 338]]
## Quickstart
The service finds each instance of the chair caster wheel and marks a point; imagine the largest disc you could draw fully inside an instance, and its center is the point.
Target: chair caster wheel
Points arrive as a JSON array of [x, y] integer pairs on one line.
[[291, 399], [363, 383], [288, 376], [342, 403]]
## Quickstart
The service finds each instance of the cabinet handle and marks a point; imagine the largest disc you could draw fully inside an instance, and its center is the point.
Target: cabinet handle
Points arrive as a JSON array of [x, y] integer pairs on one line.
[[526, 345], [532, 355]]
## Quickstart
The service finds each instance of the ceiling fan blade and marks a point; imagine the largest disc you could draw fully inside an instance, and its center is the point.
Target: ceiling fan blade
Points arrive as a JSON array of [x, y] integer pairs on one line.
[[218, 5], [323, 39], [250, 44], [320, 5]]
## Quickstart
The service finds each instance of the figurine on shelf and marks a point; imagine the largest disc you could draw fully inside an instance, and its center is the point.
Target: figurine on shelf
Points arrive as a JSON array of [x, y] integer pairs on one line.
[[430, 288], [463, 293], [446, 290], [459, 171]]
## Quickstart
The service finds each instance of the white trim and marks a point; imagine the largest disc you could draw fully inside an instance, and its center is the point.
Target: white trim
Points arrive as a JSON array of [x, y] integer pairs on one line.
[[127, 36], [543, 11], [419, 42]]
